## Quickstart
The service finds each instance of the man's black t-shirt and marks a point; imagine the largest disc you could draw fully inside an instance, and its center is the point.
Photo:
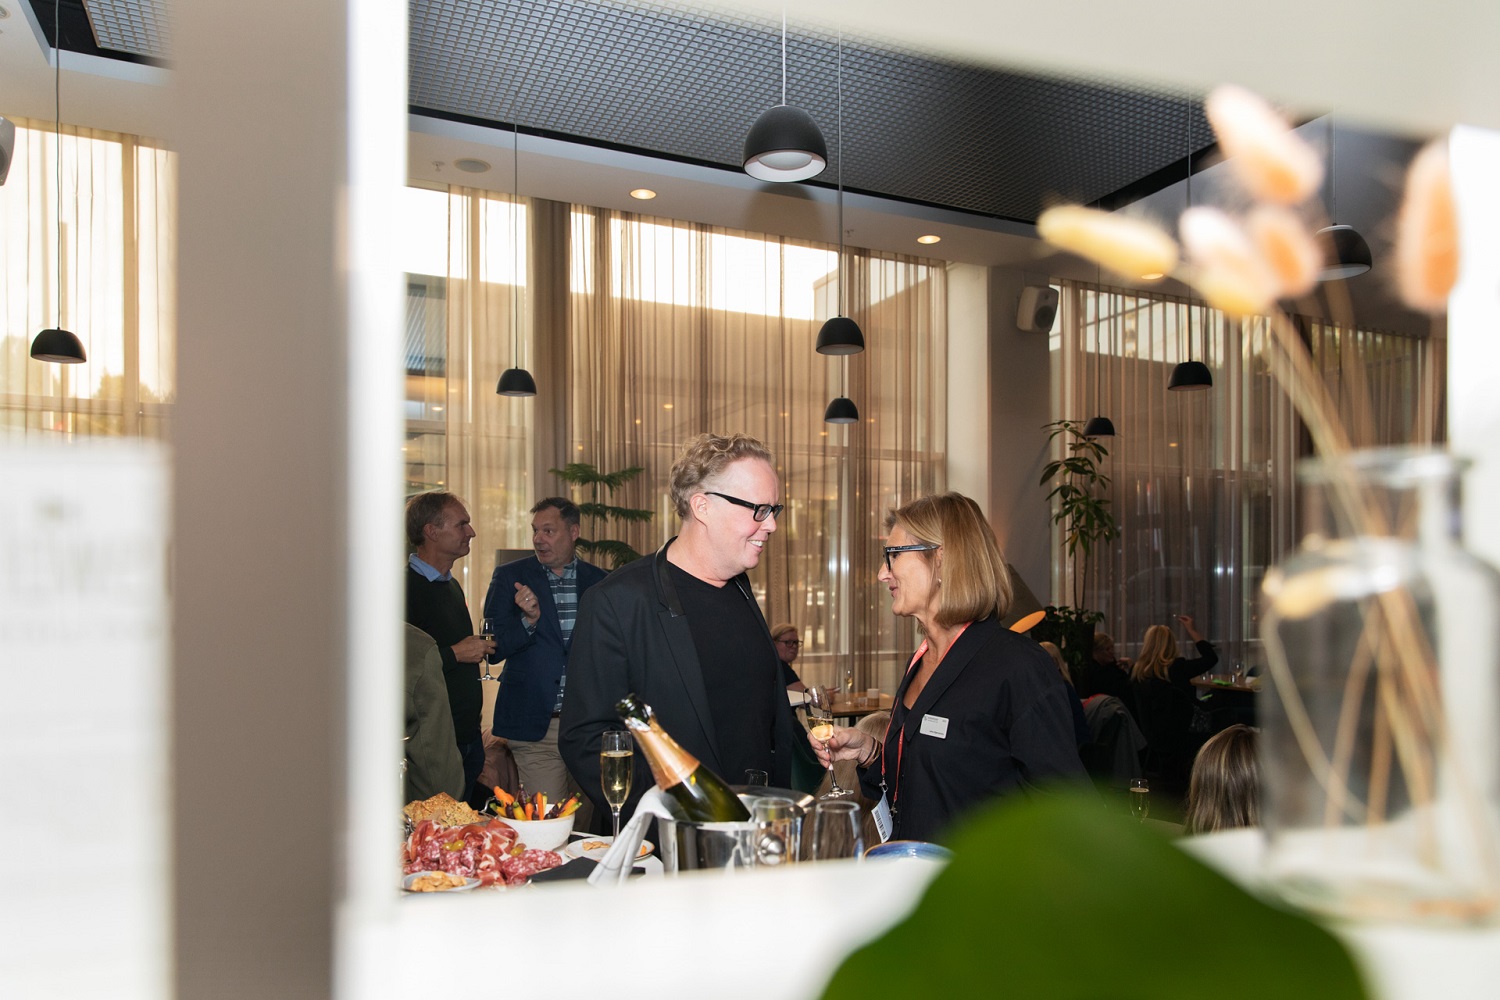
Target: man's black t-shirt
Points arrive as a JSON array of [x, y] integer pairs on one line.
[[739, 670]]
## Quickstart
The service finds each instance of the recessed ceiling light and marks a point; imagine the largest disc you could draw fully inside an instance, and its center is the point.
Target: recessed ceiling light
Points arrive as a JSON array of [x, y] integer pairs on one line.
[[1153, 276], [643, 194], [469, 165], [929, 239]]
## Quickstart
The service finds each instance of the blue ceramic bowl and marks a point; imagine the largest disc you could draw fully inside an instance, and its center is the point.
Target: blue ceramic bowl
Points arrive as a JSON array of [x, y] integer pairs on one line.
[[910, 849]]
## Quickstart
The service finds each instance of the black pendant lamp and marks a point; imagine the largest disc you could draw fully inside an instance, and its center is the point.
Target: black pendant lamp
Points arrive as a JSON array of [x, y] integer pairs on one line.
[[1100, 426], [1190, 376], [841, 411], [841, 335], [1345, 252], [516, 381], [56, 344], [784, 144]]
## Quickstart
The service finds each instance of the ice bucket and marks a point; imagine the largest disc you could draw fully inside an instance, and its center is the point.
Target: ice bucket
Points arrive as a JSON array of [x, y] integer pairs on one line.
[[689, 846]]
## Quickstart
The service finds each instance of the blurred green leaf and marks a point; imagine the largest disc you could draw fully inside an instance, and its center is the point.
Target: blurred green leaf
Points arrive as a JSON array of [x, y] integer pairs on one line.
[[1051, 897]]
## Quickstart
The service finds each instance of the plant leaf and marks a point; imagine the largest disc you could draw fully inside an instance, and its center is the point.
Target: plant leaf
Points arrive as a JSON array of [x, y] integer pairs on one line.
[[1052, 896]]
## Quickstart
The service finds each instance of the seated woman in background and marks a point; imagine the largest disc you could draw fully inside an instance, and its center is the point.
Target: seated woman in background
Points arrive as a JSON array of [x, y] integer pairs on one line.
[[1224, 791], [1164, 700], [788, 646], [1080, 724], [981, 711]]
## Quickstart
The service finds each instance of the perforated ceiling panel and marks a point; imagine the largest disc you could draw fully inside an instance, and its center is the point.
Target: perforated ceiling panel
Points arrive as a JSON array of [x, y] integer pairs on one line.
[[686, 82], [135, 26]]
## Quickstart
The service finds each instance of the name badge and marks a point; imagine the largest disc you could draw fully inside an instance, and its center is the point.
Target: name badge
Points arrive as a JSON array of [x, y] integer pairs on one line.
[[935, 725], [882, 816]]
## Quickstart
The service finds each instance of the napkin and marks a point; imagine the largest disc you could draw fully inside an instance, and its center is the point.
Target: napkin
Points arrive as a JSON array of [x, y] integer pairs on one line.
[[615, 868]]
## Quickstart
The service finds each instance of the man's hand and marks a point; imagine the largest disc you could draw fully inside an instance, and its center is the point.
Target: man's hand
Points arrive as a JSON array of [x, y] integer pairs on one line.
[[472, 650], [527, 602]]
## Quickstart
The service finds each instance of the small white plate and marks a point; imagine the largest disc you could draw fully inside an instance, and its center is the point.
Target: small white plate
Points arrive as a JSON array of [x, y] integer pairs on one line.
[[469, 883], [597, 847]]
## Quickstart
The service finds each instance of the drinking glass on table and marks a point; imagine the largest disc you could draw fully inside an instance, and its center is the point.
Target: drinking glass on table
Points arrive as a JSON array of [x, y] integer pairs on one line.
[[778, 830], [487, 633], [836, 832], [756, 778], [1140, 798], [820, 725], [616, 765]]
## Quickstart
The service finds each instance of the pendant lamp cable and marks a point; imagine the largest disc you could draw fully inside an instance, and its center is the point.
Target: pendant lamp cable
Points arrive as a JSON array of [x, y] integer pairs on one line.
[[783, 55], [842, 299], [57, 142], [1189, 350], [515, 242]]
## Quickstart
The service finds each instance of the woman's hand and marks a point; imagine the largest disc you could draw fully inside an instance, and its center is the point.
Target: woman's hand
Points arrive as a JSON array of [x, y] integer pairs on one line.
[[1187, 625], [844, 744]]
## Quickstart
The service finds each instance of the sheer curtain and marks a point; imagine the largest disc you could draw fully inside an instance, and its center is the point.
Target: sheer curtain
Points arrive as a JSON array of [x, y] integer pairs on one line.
[[1203, 483], [461, 436], [114, 288], [642, 333], [678, 328]]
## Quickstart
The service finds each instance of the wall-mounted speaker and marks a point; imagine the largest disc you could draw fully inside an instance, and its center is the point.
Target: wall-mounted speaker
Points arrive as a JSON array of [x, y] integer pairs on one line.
[[1038, 308], [7, 146]]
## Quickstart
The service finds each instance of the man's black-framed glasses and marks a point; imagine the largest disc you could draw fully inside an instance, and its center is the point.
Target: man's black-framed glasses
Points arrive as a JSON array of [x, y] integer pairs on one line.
[[891, 550], [759, 511]]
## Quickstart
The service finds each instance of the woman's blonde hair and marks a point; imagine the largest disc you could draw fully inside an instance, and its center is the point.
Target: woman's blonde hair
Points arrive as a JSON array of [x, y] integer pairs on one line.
[[1057, 658], [777, 631], [1158, 651], [973, 583], [1224, 790]]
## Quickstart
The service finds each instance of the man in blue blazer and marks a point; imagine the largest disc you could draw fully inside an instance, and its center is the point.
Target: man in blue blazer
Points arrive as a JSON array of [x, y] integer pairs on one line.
[[533, 603]]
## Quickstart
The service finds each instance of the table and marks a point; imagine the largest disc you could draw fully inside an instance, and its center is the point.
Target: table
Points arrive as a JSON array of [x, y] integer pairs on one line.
[[852, 710], [1225, 682]]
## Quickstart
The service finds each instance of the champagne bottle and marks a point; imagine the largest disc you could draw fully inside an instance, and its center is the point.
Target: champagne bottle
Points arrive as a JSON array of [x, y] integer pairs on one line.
[[700, 794]]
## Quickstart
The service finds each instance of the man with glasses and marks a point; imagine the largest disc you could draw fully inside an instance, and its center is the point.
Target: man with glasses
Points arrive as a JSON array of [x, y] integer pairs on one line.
[[681, 629]]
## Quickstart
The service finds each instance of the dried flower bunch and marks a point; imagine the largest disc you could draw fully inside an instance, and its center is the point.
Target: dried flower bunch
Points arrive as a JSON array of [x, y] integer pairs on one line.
[[1245, 265]]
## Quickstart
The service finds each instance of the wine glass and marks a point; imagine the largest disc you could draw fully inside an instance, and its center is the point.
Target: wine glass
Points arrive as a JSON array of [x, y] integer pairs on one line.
[[616, 765], [820, 717], [1140, 798], [487, 633], [836, 832]]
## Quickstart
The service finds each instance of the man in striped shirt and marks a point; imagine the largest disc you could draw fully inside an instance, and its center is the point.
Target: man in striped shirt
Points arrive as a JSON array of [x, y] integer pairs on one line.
[[534, 603]]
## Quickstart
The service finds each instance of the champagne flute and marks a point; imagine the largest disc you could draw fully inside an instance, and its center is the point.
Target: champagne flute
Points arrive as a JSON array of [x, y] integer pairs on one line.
[[487, 633], [616, 765], [836, 831], [820, 715], [1140, 798]]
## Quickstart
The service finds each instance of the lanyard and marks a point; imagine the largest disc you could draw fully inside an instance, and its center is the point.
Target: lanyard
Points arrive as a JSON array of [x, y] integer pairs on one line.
[[901, 734]]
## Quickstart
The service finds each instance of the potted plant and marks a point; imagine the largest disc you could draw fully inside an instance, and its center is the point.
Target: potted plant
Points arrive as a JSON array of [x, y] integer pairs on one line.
[[1082, 511], [600, 513]]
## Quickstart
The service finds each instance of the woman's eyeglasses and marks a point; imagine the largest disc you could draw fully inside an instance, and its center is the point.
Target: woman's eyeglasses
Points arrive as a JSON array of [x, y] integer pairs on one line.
[[794, 643], [891, 550], [761, 511]]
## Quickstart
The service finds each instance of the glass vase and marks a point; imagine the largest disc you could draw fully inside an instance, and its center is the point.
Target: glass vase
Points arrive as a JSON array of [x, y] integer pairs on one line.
[[1381, 747]]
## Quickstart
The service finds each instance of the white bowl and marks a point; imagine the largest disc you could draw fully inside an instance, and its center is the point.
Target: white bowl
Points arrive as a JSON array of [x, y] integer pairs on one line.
[[541, 834], [468, 883]]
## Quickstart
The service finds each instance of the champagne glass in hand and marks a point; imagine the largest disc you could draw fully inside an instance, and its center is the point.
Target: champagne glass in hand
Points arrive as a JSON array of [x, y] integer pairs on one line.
[[616, 764], [487, 633], [820, 720]]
